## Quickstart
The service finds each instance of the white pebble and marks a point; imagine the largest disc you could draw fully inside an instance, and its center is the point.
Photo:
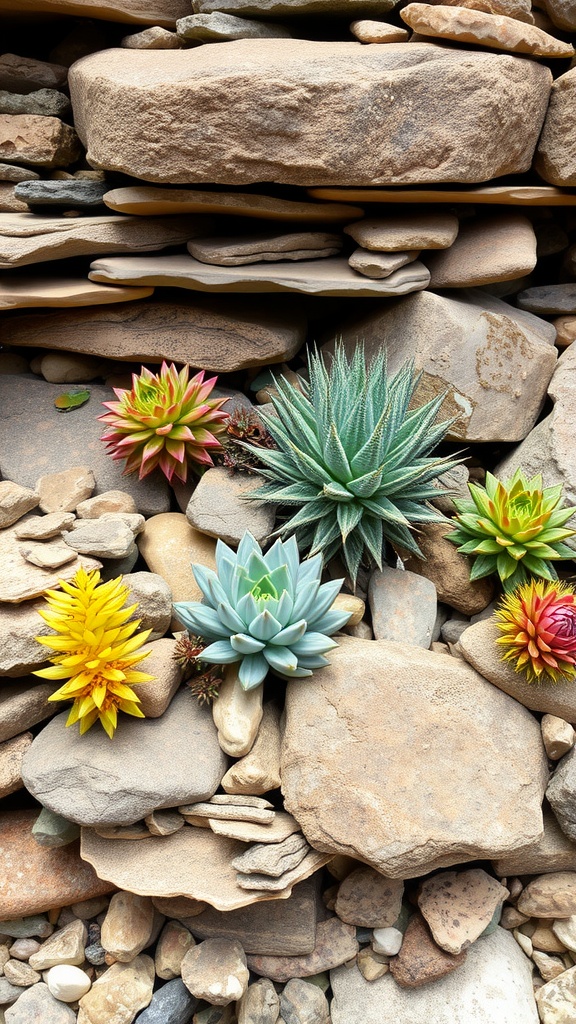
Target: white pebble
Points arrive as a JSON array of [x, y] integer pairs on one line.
[[387, 940], [67, 983]]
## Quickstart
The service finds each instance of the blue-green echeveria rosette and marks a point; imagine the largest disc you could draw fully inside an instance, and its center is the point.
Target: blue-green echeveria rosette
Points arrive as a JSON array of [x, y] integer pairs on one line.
[[264, 610]]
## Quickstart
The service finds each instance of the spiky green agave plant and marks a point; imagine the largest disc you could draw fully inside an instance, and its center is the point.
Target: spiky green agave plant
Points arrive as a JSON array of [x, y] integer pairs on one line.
[[352, 458]]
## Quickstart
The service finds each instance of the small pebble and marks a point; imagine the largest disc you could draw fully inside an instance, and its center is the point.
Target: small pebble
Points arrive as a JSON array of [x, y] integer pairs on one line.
[[387, 940], [67, 983]]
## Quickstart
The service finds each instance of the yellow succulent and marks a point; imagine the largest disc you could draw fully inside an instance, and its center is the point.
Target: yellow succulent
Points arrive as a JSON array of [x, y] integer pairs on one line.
[[95, 649]]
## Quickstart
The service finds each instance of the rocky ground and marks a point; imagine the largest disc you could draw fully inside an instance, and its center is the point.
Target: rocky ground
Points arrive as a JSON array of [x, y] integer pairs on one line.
[[394, 838]]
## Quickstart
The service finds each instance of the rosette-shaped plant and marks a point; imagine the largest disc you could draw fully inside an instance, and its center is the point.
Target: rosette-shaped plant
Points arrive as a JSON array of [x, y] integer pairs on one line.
[[96, 648], [165, 421], [264, 610], [352, 458], [513, 528], [538, 626]]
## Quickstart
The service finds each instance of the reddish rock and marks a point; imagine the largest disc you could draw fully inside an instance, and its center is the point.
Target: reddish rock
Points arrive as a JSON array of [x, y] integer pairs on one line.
[[420, 960]]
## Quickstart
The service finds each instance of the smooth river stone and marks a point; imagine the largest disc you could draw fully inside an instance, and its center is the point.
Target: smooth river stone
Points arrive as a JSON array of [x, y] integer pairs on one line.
[[332, 276], [145, 12], [27, 238], [487, 250], [549, 299], [149, 201], [399, 232], [479, 114], [24, 292], [192, 862], [490, 195], [264, 247], [495, 30], [194, 329], [346, 781]]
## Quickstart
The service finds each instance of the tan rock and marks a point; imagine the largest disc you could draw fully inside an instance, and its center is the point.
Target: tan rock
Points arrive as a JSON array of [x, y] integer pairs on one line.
[[24, 292], [160, 12], [311, 863], [550, 967], [558, 736], [27, 238], [24, 75], [124, 988], [153, 38], [237, 713], [62, 492], [40, 141], [18, 973], [405, 231], [273, 859], [169, 545], [193, 862], [282, 826], [164, 823], [47, 556], [550, 896], [488, 142], [174, 942], [9, 203], [65, 946], [368, 899], [508, 195], [372, 965], [379, 264], [20, 580], [473, 26], [565, 330], [108, 501], [519, 9], [264, 247], [287, 8], [128, 926], [195, 329], [260, 1002], [156, 695], [478, 646], [124, 832], [332, 276], [216, 970], [15, 502], [148, 200], [424, 694], [487, 250], [459, 905], [420, 960], [367, 31], [565, 931], [553, 851], [556, 154], [449, 571], [219, 507], [258, 771], [335, 944], [545, 940], [11, 754], [259, 814]]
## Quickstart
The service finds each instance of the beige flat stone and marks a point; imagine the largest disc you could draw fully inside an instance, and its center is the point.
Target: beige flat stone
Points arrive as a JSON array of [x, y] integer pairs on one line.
[[148, 200], [313, 861], [549, 896], [153, 38], [273, 859], [193, 862], [27, 238], [229, 813], [280, 828], [553, 851], [335, 944], [11, 755], [495, 30], [24, 292], [47, 556], [259, 770], [459, 905], [160, 12], [520, 195], [332, 276], [401, 232], [264, 247], [487, 250], [168, 545], [367, 31], [379, 264], [237, 714], [41, 141], [15, 502], [21, 581], [521, 10]]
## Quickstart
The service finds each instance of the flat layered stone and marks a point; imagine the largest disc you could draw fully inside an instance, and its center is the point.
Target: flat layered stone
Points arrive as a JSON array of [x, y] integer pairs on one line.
[[487, 250], [554, 851], [368, 31], [11, 754], [46, 877], [311, 863], [159, 12], [27, 238], [149, 201], [43, 103], [507, 195], [273, 859], [196, 329], [11, 172], [519, 9], [217, 27], [70, 193], [459, 905], [379, 264], [549, 298], [41, 141], [398, 232], [282, 8], [332, 276], [23, 705], [280, 828], [472, 26], [193, 862], [265, 247], [335, 944], [25, 74], [342, 808], [121, 98], [24, 292], [21, 580]]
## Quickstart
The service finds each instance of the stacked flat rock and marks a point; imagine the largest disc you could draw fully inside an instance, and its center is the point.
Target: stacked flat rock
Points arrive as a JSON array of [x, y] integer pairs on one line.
[[264, 247], [472, 26], [388, 243], [216, 27]]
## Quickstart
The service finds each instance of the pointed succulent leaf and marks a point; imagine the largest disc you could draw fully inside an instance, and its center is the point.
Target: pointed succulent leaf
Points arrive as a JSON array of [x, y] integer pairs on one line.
[[286, 637], [282, 659], [246, 644], [220, 653], [264, 626], [253, 671]]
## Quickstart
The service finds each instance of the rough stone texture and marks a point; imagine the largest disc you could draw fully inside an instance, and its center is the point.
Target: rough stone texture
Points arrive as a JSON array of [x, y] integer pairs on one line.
[[156, 695], [216, 970], [549, 896], [459, 905], [174, 941], [493, 986], [43, 102], [346, 780], [273, 859], [556, 154], [477, 644], [124, 988], [498, 104], [561, 794], [335, 944], [38, 1004], [100, 539], [146, 201], [40, 141], [15, 502], [47, 556], [62, 492], [159, 12], [11, 753], [194, 329], [212, 28], [128, 926], [379, 264], [473, 26], [218, 507], [51, 829], [20, 580], [495, 360], [69, 193], [108, 501], [367, 31], [264, 246], [420, 961], [27, 292], [404, 231], [193, 862], [25, 75], [519, 9], [558, 736], [554, 851], [258, 771], [303, 1002], [260, 1004], [152, 763], [27, 412], [403, 606], [275, 8], [46, 878], [283, 825], [448, 570], [332, 276], [311, 863], [27, 238], [171, 1004], [557, 999], [368, 899], [154, 607], [153, 38], [65, 946], [11, 172], [487, 250], [23, 705]]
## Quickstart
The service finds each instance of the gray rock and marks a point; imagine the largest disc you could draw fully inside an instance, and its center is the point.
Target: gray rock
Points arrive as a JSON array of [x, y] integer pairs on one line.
[[19, 652], [11, 172], [219, 507], [25, 74], [260, 1004], [70, 193], [8, 993], [23, 705], [103, 539], [154, 599], [493, 986], [303, 1003], [171, 1004], [38, 1004], [26, 927], [549, 299], [561, 794], [45, 102], [217, 27], [273, 858], [28, 407], [52, 830], [151, 764], [403, 606], [291, 8]]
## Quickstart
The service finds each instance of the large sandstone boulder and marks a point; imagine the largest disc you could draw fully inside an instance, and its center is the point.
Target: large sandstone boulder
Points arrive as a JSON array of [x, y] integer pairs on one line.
[[410, 761], [556, 155], [494, 360], [478, 115]]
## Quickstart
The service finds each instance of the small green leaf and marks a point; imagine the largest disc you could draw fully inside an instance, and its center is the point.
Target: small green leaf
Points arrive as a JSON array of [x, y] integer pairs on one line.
[[72, 399]]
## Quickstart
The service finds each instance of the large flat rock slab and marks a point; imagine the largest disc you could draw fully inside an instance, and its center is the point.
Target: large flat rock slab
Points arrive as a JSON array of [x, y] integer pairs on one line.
[[486, 195], [375, 778], [332, 276], [26, 291], [152, 200], [152, 763], [139, 12], [199, 330], [472, 26], [487, 250], [479, 115]]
